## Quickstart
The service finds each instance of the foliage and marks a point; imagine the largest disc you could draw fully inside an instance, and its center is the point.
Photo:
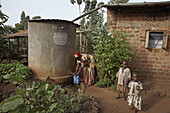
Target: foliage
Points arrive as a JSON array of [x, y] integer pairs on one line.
[[96, 20], [88, 23], [23, 23], [117, 1], [3, 43], [79, 2], [89, 5], [6, 30], [9, 29], [3, 18], [110, 51], [43, 98], [36, 17], [9, 71]]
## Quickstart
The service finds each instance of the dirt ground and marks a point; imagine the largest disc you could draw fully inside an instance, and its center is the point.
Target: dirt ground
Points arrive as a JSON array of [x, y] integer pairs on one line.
[[152, 102], [5, 90]]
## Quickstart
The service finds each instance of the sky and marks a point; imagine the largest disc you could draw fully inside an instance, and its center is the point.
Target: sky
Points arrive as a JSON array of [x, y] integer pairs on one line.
[[47, 9]]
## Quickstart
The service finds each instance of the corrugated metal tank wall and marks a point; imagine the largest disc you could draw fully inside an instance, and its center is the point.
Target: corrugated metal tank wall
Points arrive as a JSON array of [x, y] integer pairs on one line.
[[51, 47]]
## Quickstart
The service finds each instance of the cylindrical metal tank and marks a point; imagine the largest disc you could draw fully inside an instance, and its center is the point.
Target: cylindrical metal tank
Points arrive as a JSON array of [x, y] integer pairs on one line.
[[51, 47]]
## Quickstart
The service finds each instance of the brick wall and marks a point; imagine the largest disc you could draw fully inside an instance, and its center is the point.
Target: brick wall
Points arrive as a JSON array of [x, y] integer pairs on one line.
[[149, 63]]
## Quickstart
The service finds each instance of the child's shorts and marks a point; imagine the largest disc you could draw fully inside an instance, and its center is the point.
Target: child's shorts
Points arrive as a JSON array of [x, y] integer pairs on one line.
[[121, 88]]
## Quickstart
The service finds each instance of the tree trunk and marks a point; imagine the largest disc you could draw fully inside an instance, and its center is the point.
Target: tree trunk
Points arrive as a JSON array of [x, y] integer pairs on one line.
[[79, 10]]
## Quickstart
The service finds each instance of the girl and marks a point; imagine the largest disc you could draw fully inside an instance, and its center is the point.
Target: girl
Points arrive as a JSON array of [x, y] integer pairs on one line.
[[135, 89]]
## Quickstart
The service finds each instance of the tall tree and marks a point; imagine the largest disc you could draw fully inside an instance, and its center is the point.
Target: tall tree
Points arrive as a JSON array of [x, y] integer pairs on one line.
[[79, 2], [3, 18], [117, 1], [89, 22], [23, 22], [3, 43]]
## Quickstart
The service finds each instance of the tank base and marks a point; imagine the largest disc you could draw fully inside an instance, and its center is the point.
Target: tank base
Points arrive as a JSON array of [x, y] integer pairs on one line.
[[57, 80]]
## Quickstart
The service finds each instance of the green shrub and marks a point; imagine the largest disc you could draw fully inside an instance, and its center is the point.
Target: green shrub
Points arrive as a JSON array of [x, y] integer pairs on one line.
[[110, 51], [43, 98], [8, 71]]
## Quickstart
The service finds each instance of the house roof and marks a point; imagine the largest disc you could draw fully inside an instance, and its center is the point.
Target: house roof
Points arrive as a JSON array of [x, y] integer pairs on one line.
[[138, 4], [21, 33]]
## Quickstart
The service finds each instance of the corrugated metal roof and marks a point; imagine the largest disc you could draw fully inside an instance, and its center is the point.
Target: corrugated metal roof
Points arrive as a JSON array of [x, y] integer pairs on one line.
[[53, 20], [138, 4], [24, 33], [21, 33]]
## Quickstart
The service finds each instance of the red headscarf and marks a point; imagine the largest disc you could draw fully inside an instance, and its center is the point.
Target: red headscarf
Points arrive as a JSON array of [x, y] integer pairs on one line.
[[77, 54]]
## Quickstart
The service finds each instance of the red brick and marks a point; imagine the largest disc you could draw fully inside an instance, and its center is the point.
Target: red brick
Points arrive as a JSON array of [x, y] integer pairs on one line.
[[126, 27], [150, 57], [160, 70], [163, 66], [161, 58], [158, 62], [139, 43], [152, 61], [130, 31]]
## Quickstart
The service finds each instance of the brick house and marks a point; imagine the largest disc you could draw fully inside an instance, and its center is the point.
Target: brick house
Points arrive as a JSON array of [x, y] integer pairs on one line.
[[148, 25]]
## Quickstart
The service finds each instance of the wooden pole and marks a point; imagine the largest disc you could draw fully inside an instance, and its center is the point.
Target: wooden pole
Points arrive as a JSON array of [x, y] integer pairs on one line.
[[8, 44], [84, 45], [27, 45], [81, 16], [8, 56], [18, 47], [80, 42]]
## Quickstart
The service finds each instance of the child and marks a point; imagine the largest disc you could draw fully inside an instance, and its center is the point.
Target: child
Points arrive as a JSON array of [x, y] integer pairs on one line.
[[123, 77], [134, 98]]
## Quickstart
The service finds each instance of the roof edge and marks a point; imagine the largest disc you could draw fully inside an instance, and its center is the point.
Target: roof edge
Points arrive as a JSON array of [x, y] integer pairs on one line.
[[124, 5], [53, 20], [138, 4]]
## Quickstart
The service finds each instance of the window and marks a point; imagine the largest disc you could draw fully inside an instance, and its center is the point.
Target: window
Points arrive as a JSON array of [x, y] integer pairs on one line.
[[156, 39]]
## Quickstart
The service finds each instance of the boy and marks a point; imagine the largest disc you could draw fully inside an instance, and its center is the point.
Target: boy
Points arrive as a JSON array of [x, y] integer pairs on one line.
[[123, 77], [134, 98]]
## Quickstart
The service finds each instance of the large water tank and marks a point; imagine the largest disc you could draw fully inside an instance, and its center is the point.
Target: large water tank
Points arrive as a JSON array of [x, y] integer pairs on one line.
[[51, 48]]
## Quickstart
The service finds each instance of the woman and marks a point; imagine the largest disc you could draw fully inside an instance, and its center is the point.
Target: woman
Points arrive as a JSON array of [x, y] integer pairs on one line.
[[86, 66]]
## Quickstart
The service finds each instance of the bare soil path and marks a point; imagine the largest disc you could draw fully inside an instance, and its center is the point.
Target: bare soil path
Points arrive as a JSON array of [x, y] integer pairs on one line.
[[106, 98]]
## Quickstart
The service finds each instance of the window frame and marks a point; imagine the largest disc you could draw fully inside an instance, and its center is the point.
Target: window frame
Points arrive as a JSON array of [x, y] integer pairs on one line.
[[164, 41]]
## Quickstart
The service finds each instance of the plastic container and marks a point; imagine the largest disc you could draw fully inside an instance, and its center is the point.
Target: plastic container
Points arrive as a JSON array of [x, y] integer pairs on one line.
[[76, 79]]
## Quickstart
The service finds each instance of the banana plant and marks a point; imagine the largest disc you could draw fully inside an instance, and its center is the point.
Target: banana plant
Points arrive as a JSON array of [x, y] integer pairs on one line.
[[3, 18], [79, 2]]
